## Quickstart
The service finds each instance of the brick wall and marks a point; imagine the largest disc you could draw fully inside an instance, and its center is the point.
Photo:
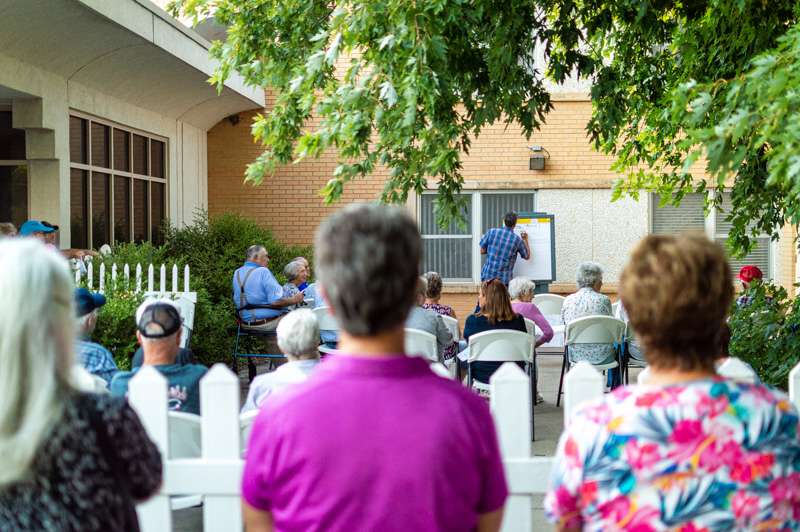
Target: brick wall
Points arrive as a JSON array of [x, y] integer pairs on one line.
[[289, 201]]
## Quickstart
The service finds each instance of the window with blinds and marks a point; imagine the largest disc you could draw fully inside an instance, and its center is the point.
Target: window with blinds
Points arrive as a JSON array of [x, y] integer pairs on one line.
[[118, 178], [453, 251], [690, 216]]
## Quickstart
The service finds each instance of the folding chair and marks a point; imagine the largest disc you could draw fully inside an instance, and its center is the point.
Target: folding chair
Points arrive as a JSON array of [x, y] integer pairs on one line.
[[243, 331], [502, 346], [627, 361], [246, 421], [327, 322], [591, 330], [184, 442], [452, 326], [549, 303], [422, 344]]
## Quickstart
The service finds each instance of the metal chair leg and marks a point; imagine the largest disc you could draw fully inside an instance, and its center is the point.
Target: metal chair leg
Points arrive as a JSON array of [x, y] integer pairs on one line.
[[532, 376], [561, 380], [469, 375], [251, 370]]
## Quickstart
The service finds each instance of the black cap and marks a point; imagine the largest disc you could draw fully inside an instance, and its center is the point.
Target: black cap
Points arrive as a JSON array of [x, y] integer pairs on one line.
[[159, 320]]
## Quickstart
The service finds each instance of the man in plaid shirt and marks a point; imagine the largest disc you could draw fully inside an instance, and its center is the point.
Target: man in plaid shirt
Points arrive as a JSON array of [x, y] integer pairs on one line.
[[94, 358], [501, 245]]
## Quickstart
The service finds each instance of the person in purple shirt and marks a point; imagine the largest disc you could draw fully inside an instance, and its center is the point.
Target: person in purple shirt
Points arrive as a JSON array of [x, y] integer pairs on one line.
[[501, 245], [374, 440]]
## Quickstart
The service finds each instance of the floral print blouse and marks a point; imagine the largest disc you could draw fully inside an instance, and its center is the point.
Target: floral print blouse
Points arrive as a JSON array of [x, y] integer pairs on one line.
[[702, 456]]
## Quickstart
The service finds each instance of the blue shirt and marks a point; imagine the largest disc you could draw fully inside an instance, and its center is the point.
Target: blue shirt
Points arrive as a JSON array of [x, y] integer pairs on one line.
[[96, 359], [183, 385], [502, 246], [261, 288]]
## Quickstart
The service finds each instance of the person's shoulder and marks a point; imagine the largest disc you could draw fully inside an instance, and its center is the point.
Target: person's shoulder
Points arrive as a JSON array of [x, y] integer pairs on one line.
[[121, 378], [194, 369]]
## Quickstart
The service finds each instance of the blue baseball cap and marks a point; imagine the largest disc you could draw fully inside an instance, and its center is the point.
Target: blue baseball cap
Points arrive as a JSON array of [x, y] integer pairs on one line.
[[35, 226], [86, 301]]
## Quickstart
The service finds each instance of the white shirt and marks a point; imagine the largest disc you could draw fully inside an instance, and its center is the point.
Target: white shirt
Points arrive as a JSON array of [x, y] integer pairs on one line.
[[269, 383]]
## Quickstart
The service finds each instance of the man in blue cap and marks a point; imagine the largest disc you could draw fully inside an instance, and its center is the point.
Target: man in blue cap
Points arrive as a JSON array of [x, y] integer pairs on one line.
[[36, 229], [95, 358]]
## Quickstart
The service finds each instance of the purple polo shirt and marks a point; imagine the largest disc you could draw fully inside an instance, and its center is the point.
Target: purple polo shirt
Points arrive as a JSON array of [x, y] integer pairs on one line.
[[375, 444]]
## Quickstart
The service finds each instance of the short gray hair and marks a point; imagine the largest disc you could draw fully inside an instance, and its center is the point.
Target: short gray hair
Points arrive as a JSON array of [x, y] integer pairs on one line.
[[254, 251], [298, 334], [521, 287], [293, 269], [422, 289], [367, 258], [589, 274]]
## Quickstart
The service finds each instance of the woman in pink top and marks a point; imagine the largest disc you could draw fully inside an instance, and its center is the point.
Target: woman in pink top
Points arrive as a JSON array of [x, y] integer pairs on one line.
[[521, 290]]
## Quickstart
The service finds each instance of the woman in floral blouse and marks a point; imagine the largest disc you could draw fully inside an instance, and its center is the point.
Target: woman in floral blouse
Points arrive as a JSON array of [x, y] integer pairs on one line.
[[689, 450]]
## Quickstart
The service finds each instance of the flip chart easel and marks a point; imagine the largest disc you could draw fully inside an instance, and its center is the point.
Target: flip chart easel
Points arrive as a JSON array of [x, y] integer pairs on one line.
[[540, 226]]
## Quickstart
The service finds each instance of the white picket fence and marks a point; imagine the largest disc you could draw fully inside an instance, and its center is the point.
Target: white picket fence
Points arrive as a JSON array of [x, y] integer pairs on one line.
[[217, 475], [122, 275]]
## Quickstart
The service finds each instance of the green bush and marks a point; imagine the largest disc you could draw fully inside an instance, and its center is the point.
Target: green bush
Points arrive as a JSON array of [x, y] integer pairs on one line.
[[213, 249], [115, 325], [764, 332]]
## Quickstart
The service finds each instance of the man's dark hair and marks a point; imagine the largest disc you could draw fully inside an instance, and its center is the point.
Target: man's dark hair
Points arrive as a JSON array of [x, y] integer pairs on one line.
[[510, 219], [367, 258]]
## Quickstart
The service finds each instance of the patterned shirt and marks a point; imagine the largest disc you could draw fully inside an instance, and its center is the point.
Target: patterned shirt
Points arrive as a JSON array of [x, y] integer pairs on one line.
[[587, 302], [709, 454], [502, 246], [96, 359]]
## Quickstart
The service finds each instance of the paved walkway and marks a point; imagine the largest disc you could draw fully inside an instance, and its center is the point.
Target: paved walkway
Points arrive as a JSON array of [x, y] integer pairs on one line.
[[549, 421]]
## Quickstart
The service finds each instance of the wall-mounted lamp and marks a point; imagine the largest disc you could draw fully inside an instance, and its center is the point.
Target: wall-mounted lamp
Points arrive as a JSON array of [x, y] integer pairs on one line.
[[538, 156]]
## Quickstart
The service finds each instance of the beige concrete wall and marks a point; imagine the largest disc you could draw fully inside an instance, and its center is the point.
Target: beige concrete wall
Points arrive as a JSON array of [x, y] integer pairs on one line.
[[43, 112]]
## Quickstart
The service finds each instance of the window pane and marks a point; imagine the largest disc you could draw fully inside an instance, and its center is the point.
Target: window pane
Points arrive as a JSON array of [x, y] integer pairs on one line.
[[122, 209], [156, 158], [495, 206], [78, 207], [14, 194], [688, 216], [139, 154], [100, 145], [122, 147], [451, 257], [428, 225], [12, 141], [139, 210], [77, 140], [101, 201], [157, 210], [759, 256]]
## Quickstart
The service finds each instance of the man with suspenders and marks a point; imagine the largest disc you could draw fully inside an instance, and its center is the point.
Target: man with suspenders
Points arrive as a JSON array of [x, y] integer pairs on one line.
[[257, 295]]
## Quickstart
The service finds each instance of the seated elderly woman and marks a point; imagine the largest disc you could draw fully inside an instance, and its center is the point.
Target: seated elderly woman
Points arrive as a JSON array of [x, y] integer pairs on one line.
[[521, 291], [71, 460], [688, 450], [434, 293], [494, 313], [429, 321], [588, 301], [298, 338], [296, 274]]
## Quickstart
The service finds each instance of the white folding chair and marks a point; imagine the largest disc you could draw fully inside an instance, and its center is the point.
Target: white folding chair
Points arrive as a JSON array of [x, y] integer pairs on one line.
[[87, 382], [614, 308], [452, 326], [591, 330], [549, 303], [440, 370], [502, 346], [422, 344], [246, 421], [327, 322], [184, 442], [630, 336]]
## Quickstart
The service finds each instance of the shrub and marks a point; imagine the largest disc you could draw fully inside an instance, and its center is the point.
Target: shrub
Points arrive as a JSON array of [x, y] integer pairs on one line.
[[764, 332], [213, 250]]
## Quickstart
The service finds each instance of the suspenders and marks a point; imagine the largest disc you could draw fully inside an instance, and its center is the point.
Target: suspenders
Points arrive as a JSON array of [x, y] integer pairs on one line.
[[241, 283]]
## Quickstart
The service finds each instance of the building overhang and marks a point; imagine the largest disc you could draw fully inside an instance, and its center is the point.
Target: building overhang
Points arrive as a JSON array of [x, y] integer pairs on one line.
[[129, 49]]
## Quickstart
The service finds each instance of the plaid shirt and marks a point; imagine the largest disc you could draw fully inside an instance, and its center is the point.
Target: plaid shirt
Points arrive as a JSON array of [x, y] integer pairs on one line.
[[96, 359], [502, 246]]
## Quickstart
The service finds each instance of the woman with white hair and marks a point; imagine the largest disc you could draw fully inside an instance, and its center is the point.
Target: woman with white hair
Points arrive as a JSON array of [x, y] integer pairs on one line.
[[296, 274], [588, 301], [521, 290], [71, 461], [298, 338]]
